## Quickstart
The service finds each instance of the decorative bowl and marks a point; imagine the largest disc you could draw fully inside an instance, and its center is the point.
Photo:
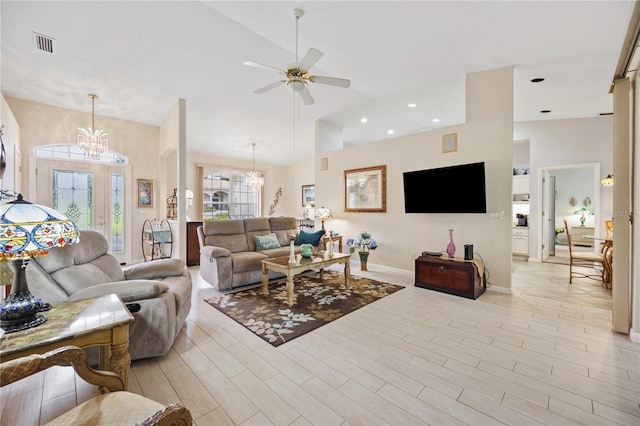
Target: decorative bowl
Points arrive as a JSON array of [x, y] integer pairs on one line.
[[306, 250]]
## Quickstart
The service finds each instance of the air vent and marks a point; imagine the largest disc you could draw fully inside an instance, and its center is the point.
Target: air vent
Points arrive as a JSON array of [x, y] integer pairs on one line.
[[43, 42]]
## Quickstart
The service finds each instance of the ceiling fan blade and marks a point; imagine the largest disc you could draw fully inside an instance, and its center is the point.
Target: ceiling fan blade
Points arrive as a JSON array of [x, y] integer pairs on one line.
[[331, 81], [264, 67], [306, 97], [312, 56], [269, 87]]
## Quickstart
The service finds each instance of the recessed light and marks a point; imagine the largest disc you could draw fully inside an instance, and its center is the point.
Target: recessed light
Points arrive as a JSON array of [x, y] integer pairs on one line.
[[390, 131], [545, 111], [364, 119], [537, 80], [412, 105], [436, 120]]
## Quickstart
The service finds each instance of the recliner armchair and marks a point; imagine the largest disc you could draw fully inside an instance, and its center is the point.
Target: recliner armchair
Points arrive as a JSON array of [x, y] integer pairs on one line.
[[162, 288]]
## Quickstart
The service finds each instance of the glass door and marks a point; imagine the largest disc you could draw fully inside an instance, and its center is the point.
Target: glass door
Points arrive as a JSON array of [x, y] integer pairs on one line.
[[90, 194]]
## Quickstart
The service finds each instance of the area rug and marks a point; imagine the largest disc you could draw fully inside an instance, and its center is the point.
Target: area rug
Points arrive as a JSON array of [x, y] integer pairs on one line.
[[317, 302]]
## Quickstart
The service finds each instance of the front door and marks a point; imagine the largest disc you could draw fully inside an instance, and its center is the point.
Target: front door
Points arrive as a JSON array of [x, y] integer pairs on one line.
[[90, 194]]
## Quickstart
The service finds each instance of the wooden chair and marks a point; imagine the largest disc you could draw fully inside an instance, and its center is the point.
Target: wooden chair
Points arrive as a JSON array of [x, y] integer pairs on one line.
[[116, 407], [608, 229], [584, 260]]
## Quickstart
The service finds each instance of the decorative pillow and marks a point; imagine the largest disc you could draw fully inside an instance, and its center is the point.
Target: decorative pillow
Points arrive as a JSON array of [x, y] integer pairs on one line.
[[265, 242], [312, 238]]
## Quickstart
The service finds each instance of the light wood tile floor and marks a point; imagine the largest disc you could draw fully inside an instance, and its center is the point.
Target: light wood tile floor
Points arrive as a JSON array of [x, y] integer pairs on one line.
[[543, 355]]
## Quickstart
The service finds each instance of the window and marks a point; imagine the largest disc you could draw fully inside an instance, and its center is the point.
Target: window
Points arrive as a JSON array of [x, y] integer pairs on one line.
[[225, 196], [74, 153]]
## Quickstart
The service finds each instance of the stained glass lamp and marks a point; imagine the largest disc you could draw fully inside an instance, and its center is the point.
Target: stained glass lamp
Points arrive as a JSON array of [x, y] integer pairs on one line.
[[323, 214], [28, 230]]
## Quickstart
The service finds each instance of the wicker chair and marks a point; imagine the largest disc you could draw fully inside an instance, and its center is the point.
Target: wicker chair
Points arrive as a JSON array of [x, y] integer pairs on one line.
[[116, 407]]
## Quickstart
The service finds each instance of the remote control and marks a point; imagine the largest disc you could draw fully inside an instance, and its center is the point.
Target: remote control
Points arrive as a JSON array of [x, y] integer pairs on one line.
[[133, 307], [432, 253]]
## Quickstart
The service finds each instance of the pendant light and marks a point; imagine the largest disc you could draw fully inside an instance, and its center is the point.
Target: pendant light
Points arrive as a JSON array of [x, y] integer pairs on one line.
[[254, 179], [92, 141]]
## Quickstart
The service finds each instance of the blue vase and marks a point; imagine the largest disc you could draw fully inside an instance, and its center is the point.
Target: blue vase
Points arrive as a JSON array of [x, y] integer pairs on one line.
[[306, 250]]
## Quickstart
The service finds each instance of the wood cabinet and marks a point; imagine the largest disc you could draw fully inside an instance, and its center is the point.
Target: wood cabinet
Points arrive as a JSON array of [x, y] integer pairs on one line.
[[453, 276], [193, 246], [520, 237], [578, 236]]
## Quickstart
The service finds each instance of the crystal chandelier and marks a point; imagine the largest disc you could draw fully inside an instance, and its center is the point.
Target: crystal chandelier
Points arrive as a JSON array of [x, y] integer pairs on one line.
[[92, 141], [254, 179]]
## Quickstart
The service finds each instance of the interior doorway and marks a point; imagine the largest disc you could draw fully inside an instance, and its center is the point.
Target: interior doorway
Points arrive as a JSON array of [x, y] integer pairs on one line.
[[571, 193]]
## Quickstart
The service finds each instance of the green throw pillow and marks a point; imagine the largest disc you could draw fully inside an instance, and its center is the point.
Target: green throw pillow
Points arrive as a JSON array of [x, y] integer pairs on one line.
[[312, 238], [265, 242]]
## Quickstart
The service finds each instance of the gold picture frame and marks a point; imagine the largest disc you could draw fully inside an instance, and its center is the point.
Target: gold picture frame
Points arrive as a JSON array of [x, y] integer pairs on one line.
[[449, 142], [145, 193], [365, 190]]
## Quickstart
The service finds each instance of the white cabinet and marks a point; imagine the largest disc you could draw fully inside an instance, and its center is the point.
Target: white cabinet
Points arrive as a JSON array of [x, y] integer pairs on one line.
[[520, 239], [521, 184], [579, 236]]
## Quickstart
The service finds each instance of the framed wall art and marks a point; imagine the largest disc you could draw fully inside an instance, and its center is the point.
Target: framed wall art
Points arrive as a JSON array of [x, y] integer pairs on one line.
[[145, 193], [450, 142], [308, 195], [365, 190]]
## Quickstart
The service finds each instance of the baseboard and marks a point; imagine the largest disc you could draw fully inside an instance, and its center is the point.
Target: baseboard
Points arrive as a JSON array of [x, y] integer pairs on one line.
[[497, 289], [634, 336]]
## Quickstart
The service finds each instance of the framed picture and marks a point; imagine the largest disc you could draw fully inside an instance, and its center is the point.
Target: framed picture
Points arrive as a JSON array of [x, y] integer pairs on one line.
[[145, 193], [365, 190], [450, 142], [308, 195]]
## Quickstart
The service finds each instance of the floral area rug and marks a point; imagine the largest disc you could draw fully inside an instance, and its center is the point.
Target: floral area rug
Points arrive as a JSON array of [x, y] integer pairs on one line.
[[317, 302]]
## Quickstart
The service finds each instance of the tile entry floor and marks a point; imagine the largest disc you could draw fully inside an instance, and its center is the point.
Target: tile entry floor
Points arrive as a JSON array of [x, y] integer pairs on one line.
[[542, 355]]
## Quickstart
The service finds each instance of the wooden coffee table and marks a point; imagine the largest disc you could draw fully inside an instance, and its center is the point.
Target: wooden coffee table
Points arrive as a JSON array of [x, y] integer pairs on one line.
[[282, 265], [103, 321]]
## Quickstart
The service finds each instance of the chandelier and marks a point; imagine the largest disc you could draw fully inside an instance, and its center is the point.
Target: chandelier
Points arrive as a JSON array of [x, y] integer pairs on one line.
[[92, 141], [254, 179]]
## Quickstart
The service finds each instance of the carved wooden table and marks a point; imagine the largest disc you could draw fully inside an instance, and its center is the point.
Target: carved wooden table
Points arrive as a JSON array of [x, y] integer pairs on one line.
[[281, 264], [103, 321]]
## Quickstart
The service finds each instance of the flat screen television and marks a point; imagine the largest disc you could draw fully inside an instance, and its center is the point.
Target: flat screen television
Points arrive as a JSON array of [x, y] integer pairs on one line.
[[453, 189]]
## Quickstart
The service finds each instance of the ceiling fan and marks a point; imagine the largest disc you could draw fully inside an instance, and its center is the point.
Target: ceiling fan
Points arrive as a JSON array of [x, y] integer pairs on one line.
[[297, 74]]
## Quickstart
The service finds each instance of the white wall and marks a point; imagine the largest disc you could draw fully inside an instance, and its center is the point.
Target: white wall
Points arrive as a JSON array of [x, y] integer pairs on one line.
[[11, 137], [574, 183], [555, 143], [486, 136], [42, 124]]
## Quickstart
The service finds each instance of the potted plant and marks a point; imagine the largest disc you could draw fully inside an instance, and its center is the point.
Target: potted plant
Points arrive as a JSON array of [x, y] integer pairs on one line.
[[363, 246]]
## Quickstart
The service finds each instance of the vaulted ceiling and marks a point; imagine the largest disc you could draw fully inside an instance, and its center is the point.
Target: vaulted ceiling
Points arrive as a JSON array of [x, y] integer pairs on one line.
[[139, 57]]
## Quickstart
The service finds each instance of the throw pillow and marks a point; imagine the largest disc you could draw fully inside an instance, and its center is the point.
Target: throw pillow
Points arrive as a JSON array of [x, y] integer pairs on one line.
[[312, 238], [265, 242]]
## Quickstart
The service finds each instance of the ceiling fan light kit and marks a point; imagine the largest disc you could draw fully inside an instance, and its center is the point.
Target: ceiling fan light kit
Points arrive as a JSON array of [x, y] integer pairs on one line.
[[297, 74]]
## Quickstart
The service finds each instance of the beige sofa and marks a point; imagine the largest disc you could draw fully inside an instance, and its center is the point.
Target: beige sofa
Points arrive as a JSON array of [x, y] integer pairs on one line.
[[162, 288], [228, 255]]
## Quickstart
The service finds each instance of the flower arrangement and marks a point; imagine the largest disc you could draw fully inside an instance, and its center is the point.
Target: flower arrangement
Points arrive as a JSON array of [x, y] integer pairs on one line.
[[363, 244]]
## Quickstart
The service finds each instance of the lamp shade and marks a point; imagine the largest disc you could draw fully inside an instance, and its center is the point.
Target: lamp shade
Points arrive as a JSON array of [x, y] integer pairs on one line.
[[28, 229], [607, 181], [323, 213]]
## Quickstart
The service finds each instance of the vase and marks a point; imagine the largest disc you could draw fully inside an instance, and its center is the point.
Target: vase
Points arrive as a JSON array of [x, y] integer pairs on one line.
[[451, 247], [292, 253], [306, 250], [363, 260]]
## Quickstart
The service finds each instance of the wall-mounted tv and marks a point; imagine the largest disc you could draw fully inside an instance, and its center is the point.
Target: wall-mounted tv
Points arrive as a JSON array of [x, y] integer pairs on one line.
[[453, 189]]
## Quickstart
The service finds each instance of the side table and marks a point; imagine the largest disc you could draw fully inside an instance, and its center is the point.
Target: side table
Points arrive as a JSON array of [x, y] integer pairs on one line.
[[103, 321], [338, 238]]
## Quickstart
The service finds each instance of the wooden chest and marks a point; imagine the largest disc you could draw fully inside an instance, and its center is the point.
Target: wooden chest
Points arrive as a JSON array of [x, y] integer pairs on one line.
[[193, 246], [453, 276]]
